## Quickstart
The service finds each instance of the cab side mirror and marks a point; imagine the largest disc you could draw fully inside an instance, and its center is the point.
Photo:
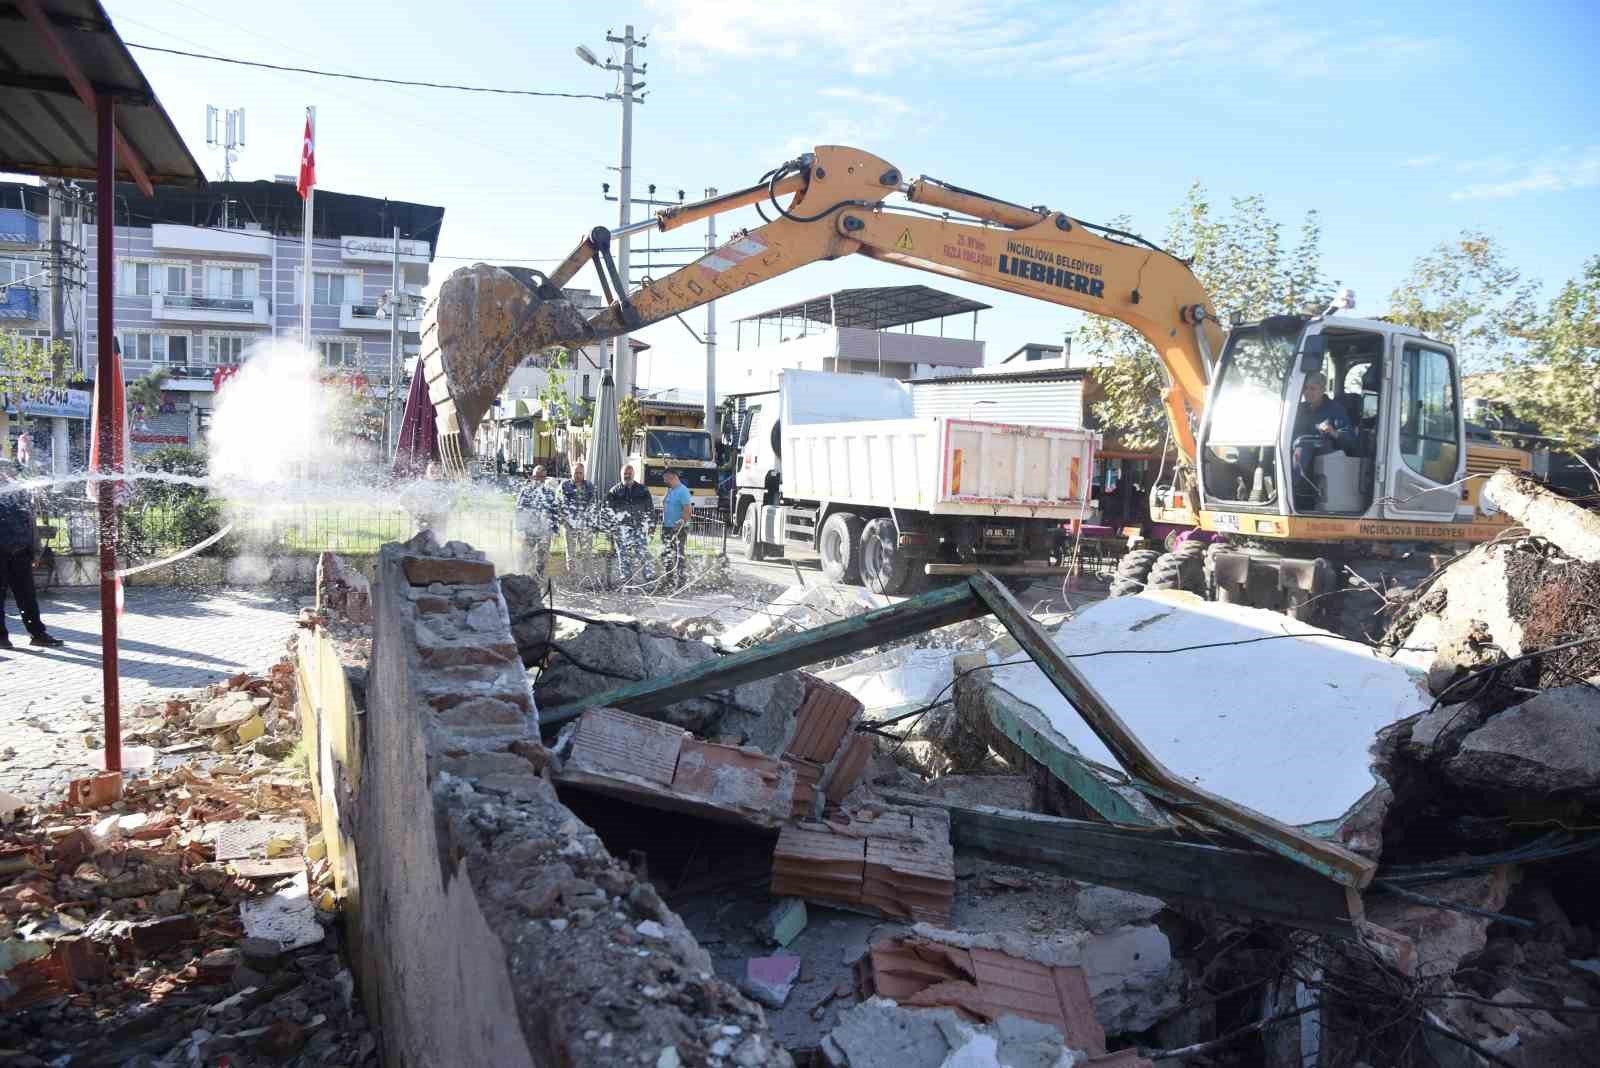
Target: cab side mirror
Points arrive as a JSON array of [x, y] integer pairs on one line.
[[1312, 350]]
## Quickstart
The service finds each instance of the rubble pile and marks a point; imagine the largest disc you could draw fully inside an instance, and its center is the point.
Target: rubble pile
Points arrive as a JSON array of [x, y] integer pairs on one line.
[[190, 917]]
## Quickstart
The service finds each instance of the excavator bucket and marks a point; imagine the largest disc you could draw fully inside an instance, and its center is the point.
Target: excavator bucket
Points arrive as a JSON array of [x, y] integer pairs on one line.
[[486, 321]]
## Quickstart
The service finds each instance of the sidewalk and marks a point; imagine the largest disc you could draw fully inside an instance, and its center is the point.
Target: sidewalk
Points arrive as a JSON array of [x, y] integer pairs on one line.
[[169, 639]]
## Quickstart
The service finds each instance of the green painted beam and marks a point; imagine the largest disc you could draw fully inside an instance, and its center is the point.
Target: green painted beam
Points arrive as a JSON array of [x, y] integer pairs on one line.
[[648, 697], [1152, 861]]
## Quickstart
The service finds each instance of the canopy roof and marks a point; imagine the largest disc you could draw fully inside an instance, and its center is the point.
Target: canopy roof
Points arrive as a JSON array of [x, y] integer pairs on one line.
[[875, 308]]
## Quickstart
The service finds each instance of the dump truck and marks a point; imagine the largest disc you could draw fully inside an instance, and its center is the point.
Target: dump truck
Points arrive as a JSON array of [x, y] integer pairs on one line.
[[837, 465]]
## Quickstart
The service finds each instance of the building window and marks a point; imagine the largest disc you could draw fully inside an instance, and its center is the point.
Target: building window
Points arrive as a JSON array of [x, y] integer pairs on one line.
[[340, 353], [155, 348], [21, 272], [177, 280], [224, 350], [136, 279], [329, 288], [231, 283]]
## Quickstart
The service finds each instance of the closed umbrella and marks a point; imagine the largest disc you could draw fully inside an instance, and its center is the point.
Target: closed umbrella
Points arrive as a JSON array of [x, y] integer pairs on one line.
[[605, 448], [419, 431]]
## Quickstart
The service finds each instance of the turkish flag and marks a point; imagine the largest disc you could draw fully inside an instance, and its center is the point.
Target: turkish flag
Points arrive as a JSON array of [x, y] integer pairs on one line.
[[308, 160]]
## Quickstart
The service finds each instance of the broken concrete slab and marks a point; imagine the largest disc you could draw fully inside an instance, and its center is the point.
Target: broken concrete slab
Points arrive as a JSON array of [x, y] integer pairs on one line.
[[1296, 749], [1442, 937], [1105, 908], [770, 979], [663, 766], [1549, 744]]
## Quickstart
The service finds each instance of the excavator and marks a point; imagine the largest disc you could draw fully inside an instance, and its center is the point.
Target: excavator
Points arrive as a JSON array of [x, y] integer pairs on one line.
[[1267, 519]]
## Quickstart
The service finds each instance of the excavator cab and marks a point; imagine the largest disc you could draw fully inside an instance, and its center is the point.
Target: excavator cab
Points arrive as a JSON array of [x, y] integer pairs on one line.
[[1331, 417]]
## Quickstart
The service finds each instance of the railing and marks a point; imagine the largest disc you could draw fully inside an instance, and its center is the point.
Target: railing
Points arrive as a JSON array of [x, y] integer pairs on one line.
[[232, 304]]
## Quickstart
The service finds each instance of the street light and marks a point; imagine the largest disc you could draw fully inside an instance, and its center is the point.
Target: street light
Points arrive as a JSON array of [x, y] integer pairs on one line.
[[587, 56]]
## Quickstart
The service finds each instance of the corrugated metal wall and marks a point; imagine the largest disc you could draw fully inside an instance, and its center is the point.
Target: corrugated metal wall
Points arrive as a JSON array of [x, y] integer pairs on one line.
[[1049, 403]]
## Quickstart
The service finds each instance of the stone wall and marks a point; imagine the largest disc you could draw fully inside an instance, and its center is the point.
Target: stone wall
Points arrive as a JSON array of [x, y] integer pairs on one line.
[[490, 925]]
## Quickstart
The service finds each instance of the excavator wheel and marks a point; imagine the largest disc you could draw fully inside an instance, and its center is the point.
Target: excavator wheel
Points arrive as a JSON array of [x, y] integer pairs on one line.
[[1175, 571], [1133, 570]]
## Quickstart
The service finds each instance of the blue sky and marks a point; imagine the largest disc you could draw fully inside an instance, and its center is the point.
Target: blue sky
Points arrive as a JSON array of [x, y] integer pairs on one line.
[[1401, 122]]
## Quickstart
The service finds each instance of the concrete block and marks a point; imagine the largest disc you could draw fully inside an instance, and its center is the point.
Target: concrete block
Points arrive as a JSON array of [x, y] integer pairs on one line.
[[785, 922], [770, 979]]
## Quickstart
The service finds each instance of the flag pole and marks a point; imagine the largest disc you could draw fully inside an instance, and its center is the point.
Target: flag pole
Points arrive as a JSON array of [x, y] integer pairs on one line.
[[305, 239]]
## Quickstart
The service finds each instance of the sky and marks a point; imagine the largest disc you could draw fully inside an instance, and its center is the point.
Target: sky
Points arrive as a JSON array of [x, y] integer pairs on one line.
[[1402, 123]]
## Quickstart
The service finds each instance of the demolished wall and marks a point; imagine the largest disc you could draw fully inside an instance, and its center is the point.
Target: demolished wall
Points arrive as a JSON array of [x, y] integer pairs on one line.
[[494, 927]]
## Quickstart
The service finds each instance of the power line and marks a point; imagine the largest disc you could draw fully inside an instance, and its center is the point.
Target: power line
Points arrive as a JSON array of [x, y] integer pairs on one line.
[[365, 77]]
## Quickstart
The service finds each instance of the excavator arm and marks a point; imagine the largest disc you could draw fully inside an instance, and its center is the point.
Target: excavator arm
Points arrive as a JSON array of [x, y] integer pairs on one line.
[[487, 319]]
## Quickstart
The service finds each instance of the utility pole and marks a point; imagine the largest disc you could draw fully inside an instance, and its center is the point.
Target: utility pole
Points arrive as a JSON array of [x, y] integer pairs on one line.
[[395, 304], [59, 442], [711, 333]]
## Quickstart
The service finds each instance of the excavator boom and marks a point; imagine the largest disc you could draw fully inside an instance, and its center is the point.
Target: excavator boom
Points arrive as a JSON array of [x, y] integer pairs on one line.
[[488, 319]]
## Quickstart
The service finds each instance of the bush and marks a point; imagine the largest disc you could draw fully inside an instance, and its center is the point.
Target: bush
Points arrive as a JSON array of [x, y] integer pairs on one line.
[[167, 515]]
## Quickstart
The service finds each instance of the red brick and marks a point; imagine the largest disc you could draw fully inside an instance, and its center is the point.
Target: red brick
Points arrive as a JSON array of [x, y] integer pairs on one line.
[[459, 655], [96, 791], [424, 570]]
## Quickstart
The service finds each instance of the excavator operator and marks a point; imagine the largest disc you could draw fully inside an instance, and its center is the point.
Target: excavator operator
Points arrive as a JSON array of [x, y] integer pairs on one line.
[[1320, 426]]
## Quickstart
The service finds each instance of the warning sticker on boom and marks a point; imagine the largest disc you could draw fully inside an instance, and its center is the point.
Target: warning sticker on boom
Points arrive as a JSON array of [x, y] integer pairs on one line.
[[903, 242]]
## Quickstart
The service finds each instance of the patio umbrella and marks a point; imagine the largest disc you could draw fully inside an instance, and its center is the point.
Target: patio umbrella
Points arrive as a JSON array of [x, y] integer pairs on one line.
[[419, 431], [605, 449]]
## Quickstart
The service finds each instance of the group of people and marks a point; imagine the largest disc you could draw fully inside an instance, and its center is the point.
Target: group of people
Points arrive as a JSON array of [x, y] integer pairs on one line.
[[626, 512]]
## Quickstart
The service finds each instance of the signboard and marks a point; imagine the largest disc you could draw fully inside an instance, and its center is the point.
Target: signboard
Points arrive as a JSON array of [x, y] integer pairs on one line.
[[65, 403]]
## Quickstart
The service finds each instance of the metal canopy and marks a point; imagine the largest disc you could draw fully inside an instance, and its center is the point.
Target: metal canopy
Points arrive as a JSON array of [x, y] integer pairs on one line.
[[876, 308], [56, 58]]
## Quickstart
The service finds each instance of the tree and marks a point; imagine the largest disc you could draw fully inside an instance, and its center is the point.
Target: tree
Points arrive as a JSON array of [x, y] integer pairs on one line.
[[1554, 382], [27, 368], [144, 396], [629, 420], [1250, 272], [554, 399], [1465, 294]]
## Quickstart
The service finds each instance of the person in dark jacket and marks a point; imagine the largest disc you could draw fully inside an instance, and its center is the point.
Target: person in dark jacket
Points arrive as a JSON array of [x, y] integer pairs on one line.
[[18, 544], [631, 507], [1320, 426], [577, 513]]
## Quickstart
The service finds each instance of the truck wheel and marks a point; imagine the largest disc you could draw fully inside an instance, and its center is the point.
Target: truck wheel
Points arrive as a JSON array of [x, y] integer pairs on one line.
[[841, 548], [1133, 570], [885, 568], [748, 531], [1178, 571]]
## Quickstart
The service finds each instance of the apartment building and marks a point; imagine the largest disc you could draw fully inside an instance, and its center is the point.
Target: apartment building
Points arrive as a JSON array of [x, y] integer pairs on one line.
[[206, 277]]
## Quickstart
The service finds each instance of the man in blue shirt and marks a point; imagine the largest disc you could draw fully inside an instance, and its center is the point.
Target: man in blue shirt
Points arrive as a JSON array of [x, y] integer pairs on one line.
[[676, 510], [1320, 426]]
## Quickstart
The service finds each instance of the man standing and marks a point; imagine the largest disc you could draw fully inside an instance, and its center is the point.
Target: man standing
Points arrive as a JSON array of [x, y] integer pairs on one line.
[[630, 507], [18, 543], [1320, 426], [536, 519], [676, 511], [577, 505]]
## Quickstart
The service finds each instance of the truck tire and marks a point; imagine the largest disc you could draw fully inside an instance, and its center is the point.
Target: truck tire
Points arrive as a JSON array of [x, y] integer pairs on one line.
[[885, 567], [1133, 570], [1178, 571], [840, 546], [753, 549]]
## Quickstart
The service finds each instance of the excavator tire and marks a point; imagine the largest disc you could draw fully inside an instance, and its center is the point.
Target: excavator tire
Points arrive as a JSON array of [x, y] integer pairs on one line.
[[840, 547], [1133, 570], [1178, 571]]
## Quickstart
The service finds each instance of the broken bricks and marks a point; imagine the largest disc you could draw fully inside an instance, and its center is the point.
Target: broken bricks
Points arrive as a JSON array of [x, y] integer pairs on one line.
[[894, 862]]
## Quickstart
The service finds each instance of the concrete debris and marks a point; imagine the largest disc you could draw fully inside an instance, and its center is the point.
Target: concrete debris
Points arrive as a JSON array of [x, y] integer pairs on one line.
[[769, 979], [803, 608], [1103, 908], [785, 922], [1547, 746], [880, 1034], [890, 861]]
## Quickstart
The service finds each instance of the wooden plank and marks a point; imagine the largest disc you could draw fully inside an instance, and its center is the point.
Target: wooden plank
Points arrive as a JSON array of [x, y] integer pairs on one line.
[[1017, 723], [1152, 861], [913, 616], [1333, 861]]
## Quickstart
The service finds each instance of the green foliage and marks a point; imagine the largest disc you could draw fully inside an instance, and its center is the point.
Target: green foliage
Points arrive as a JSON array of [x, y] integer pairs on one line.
[[26, 367], [1465, 294], [1554, 382], [145, 393], [166, 516], [629, 419], [1249, 269], [554, 400]]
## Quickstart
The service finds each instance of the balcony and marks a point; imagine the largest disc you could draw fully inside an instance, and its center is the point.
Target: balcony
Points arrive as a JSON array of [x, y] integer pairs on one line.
[[370, 317], [19, 302], [171, 237], [381, 250], [18, 227], [183, 308]]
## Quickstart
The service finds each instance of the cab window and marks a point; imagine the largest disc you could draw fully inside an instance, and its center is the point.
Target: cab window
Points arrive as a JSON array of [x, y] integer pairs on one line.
[[1428, 413], [749, 421]]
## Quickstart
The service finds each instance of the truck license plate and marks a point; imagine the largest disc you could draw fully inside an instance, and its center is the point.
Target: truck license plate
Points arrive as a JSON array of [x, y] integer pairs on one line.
[[999, 533]]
